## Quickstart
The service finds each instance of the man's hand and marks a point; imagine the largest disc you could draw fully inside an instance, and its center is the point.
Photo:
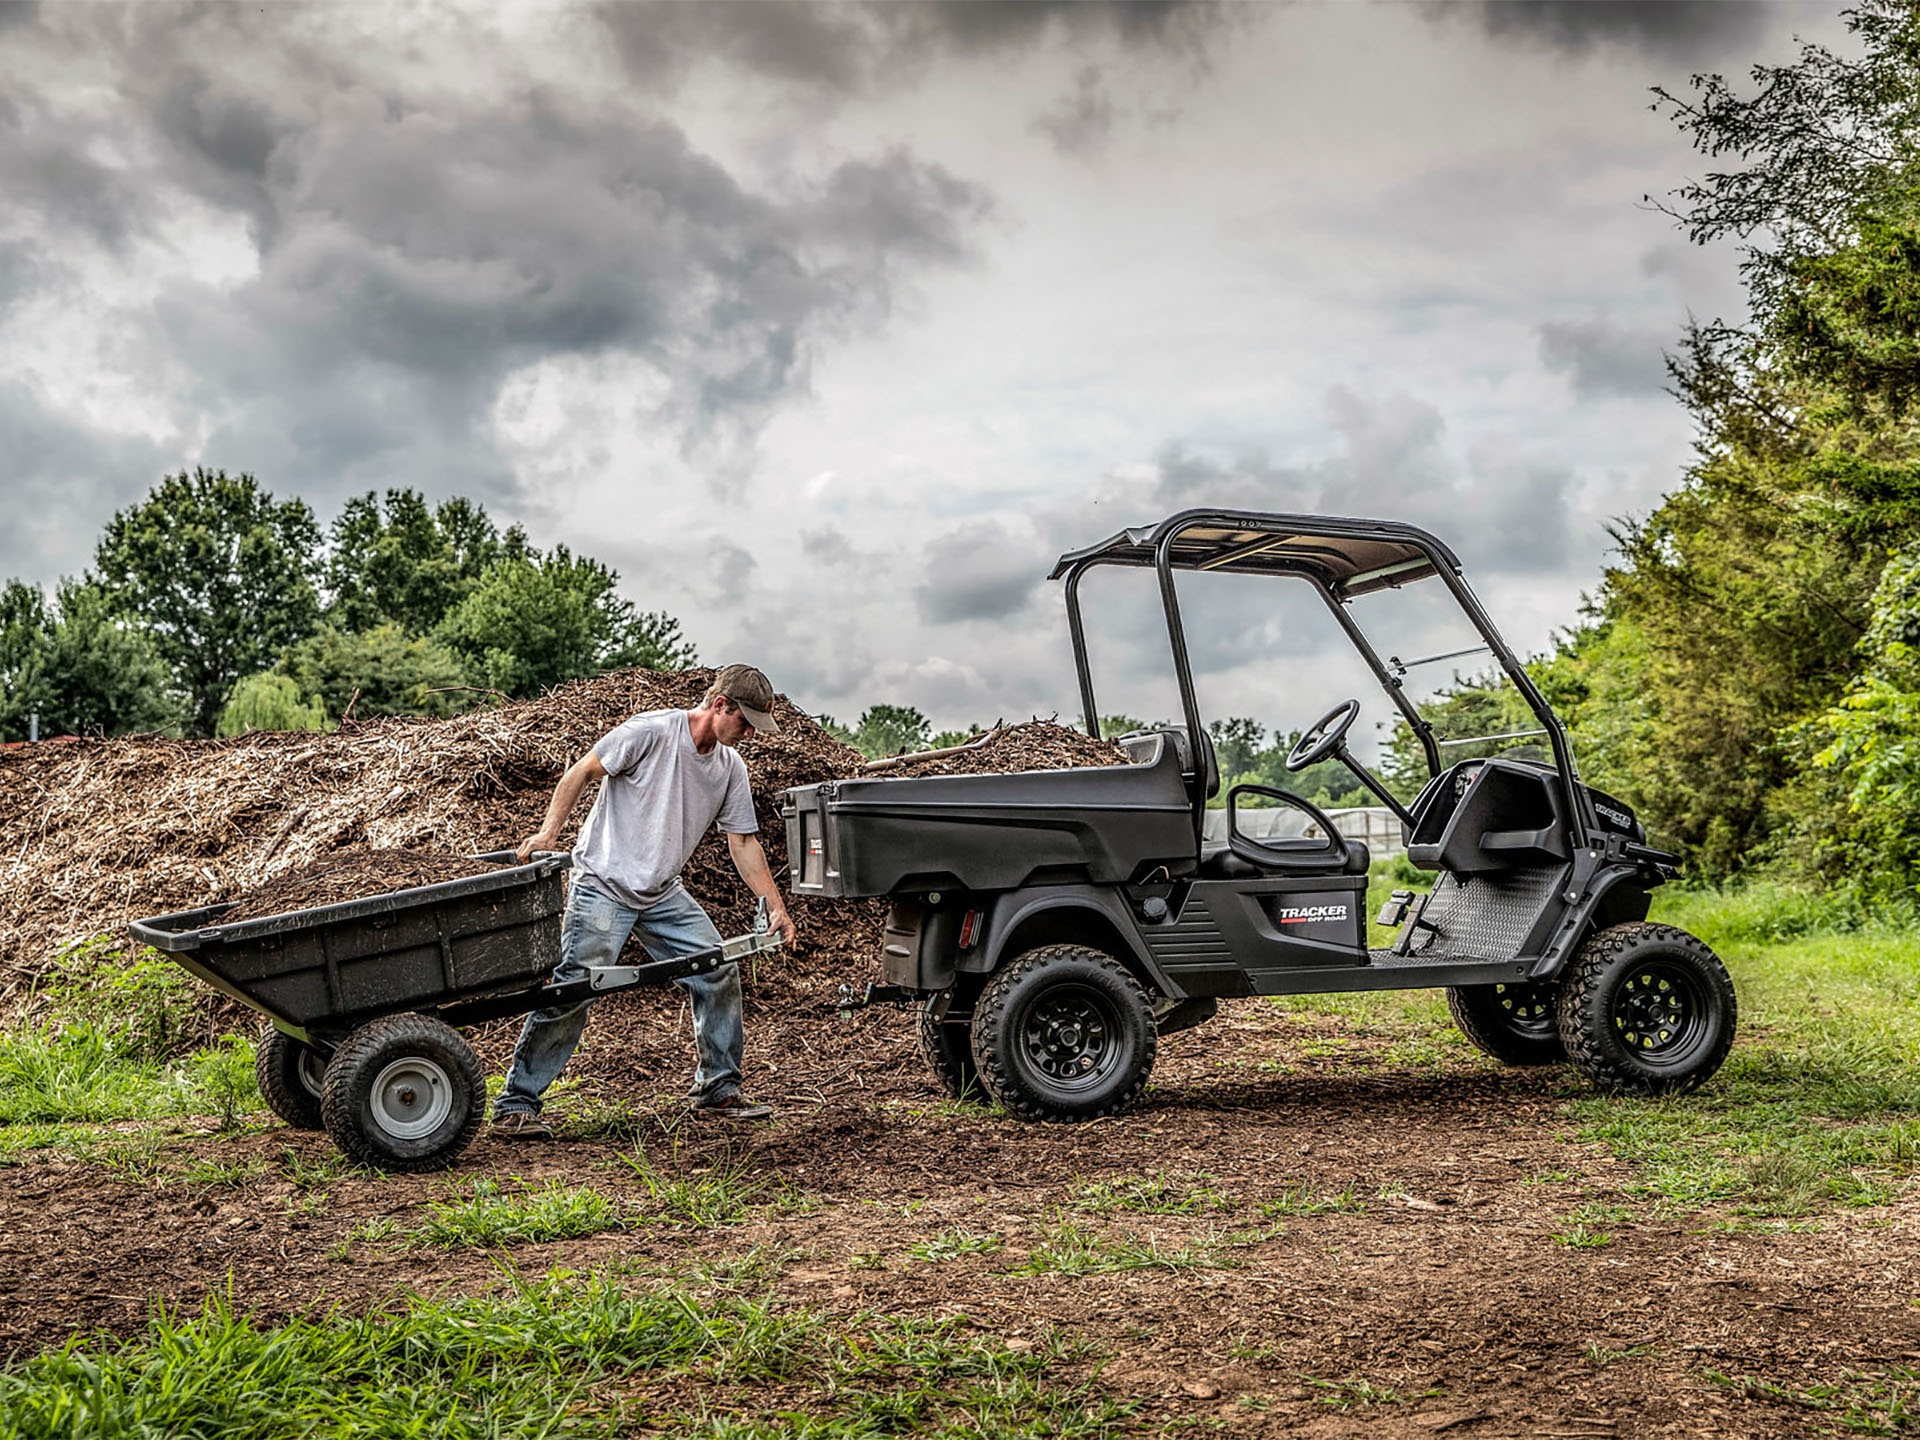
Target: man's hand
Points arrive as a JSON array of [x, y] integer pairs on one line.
[[751, 861], [540, 840], [781, 923]]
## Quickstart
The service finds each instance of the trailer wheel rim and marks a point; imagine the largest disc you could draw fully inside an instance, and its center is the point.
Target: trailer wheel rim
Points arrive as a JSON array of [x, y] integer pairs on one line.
[[1070, 1037], [412, 1097], [311, 1071], [1660, 1014]]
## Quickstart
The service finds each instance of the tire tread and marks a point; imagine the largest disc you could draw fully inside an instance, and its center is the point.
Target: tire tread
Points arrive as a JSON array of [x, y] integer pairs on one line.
[[1490, 1037], [958, 1075], [1577, 997], [990, 1014], [337, 1102], [276, 1059]]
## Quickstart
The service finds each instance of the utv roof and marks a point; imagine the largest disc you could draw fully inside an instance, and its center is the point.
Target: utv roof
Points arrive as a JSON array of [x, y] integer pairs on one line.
[[1350, 557]]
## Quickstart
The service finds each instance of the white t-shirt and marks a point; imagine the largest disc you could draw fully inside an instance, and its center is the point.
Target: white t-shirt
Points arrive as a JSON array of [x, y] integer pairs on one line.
[[658, 799]]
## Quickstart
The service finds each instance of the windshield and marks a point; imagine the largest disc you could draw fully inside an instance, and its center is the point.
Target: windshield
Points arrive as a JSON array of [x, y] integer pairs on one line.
[[1269, 660], [1453, 680]]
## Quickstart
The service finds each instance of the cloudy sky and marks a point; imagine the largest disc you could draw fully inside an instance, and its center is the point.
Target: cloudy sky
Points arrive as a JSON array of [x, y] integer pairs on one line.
[[830, 326]]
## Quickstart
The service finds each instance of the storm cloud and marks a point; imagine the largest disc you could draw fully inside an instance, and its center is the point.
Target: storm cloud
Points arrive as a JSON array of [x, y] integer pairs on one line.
[[855, 48], [982, 570], [1600, 360], [412, 245], [1685, 30]]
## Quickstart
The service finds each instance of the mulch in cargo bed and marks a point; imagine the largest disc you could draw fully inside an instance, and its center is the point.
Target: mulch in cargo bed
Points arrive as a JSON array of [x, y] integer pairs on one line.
[[354, 874]]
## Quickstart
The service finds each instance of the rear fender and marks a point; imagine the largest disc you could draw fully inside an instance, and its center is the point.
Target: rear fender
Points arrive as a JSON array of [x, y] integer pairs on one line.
[[1019, 920]]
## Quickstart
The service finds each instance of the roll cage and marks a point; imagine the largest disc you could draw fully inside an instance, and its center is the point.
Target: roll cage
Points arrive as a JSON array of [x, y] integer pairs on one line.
[[1340, 558]]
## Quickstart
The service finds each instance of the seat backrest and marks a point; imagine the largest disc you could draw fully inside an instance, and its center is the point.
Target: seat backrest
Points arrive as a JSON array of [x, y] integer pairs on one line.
[[1183, 748]]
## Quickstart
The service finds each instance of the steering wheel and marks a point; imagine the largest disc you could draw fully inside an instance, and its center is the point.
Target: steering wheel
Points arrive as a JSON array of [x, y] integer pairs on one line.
[[1325, 736]]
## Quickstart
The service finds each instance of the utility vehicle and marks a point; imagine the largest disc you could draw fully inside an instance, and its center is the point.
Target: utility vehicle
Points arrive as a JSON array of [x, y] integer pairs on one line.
[[1051, 925]]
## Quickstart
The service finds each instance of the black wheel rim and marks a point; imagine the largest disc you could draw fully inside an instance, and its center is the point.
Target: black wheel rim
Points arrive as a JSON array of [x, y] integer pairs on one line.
[[1660, 1015], [1527, 1010], [1070, 1038]]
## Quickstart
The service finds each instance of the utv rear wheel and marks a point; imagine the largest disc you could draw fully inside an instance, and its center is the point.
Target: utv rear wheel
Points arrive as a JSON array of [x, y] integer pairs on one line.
[[948, 1051], [1647, 1010], [289, 1074], [1064, 1033], [404, 1093], [1515, 1024]]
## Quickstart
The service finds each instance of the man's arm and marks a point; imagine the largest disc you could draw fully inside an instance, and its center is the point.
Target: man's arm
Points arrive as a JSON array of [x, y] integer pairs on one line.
[[751, 861], [565, 794]]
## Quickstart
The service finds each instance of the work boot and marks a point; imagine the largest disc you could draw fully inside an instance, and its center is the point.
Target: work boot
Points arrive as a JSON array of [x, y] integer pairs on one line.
[[521, 1125], [734, 1107]]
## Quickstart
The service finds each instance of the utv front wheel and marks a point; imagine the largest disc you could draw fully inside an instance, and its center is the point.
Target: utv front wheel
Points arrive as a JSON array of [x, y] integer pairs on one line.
[[1515, 1024], [1064, 1033], [948, 1051], [1647, 1010], [404, 1093]]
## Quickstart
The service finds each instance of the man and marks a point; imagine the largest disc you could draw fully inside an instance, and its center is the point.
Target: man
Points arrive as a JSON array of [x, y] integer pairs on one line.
[[665, 777]]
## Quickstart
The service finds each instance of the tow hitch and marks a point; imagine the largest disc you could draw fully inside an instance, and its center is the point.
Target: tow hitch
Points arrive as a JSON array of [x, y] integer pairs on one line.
[[852, 999]]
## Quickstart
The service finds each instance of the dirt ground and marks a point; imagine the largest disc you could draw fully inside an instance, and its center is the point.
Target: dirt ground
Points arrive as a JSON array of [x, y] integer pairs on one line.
[[1438, 1302]]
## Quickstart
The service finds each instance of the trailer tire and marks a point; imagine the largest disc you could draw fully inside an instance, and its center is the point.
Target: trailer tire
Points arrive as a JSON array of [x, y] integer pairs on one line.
[[404, 1092], [1064, 1032], [1647, 1010], [1515, 1024], [948, 1050], [291, 1075]]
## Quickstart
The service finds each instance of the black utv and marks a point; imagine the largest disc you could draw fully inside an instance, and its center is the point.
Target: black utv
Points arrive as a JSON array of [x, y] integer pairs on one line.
[[1052, 924]]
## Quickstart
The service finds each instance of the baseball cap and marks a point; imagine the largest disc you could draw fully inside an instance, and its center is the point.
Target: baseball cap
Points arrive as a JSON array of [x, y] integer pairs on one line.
[[748, 688]]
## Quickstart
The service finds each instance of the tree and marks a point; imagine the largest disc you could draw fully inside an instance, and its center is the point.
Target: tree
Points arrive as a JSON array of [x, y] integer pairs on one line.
[[78, 666], [1236, 741], [532, 623], [891, 729], [219, 573], [406, 564], [269, 701], [1868, 825], [947, 739], [1820, 141], [382, 671]]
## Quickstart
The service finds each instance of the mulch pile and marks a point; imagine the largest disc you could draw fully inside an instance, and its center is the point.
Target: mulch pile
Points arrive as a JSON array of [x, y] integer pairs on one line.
[[102, 832], [351, 875], [1034, 745]]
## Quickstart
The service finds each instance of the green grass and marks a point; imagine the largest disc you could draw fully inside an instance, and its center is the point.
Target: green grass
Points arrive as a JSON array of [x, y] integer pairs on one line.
[[1819, 1103], [1156, 1194], [1305, 1200], [1356, 1390], [572, 1356], [1880, 1403], [1070, 1247], [486, 1216], [81, 1075], [1581, 1236], [725, 1194], [954, 1245]]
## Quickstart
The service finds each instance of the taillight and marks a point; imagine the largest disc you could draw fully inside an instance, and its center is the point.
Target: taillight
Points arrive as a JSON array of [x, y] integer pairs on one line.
[[969, 929]]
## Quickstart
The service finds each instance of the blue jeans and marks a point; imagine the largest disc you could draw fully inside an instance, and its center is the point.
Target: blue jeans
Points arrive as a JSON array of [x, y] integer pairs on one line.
[[591, 933]]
